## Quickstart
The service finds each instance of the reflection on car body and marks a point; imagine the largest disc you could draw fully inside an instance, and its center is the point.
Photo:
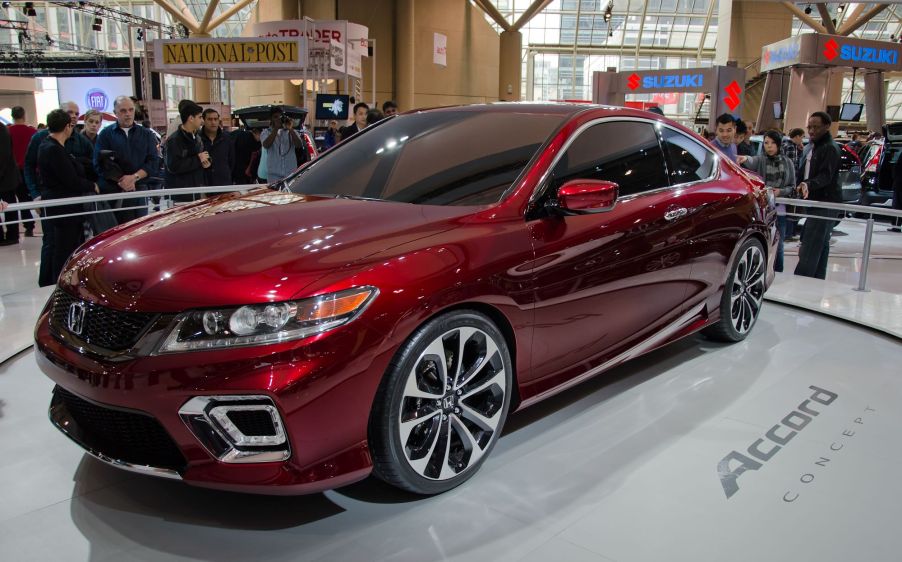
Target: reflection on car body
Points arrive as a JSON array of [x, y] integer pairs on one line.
[[407, 290]]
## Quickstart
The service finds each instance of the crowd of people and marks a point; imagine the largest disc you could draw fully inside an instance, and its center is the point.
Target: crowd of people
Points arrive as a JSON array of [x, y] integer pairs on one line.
[[790, 168], [66, 158]]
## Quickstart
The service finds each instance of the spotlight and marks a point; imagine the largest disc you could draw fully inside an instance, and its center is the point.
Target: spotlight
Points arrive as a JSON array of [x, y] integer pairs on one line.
[[5, 5], [808, 9], [140, 34], [841, 8], [48, 38], [29, 9], [98, 24]]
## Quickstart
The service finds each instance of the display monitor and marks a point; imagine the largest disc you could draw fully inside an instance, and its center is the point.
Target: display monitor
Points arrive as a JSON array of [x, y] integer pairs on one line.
[[778, 110], [851, 112], [332, 106]]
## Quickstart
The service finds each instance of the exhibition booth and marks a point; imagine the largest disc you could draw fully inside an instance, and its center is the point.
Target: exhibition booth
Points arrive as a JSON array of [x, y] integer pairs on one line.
[[806, 71], [314, 55], [725, 85]]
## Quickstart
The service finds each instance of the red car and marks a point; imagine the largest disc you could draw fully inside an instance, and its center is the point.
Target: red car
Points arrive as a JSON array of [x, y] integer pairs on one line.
[[387, 310]]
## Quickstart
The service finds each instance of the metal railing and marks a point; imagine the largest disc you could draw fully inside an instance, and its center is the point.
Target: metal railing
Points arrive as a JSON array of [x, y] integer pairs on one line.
[[847, 212], [164, 201], [157, 200]]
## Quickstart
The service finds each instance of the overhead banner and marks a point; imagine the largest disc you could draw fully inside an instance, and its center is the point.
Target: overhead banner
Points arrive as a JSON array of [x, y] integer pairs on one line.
[[234, 53], [440, 49], [832, 50], [648, 81], [337, 56], [781, 54], [95, 92], [857, 53], [321, 34]]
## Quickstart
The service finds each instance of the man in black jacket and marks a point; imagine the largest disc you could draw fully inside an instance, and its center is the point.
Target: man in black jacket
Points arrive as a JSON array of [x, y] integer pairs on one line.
[[61, 177], [186, 158], [9, 182], [819, 170], [220, 148]]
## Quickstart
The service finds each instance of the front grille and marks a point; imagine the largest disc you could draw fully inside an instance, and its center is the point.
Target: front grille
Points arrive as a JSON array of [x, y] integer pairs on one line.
[[129, 436], [253, 422], [103, 327]]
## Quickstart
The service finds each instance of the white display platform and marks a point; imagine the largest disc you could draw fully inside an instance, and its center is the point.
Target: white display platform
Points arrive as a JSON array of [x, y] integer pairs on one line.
[[623, 467]]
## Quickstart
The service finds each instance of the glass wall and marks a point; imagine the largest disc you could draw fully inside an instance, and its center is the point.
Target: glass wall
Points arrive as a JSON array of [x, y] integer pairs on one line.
[[570, 39]]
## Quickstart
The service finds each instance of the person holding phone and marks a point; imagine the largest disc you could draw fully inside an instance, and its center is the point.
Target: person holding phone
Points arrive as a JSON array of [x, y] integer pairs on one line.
[[186, 159]]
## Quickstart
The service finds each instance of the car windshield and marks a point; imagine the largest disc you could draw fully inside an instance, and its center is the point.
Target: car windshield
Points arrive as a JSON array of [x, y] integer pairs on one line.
[[432, 158]]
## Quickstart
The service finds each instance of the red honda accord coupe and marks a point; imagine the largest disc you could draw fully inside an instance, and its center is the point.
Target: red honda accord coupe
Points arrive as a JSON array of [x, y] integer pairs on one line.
[[385, 308]]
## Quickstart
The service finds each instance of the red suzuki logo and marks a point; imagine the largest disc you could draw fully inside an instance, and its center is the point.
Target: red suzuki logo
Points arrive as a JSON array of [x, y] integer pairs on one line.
[[766, 57], [732, 100], [831, 49], [633, 81]]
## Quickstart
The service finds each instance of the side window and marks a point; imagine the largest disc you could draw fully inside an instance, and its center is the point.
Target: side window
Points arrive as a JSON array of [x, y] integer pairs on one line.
[[624, 152], [689, 161]]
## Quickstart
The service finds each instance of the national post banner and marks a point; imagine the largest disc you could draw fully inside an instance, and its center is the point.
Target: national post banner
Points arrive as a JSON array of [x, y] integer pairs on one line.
[[232, 53]]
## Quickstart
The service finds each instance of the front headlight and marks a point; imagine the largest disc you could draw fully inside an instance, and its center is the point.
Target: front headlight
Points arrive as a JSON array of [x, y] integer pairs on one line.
[[258, 324]]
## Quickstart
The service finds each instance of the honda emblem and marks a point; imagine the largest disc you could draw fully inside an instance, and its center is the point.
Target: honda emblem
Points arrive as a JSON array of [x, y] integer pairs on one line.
[[76, 319]]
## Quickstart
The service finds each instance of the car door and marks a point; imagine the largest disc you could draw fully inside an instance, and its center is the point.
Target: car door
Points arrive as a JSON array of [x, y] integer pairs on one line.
[[714, 200], [606, 281]]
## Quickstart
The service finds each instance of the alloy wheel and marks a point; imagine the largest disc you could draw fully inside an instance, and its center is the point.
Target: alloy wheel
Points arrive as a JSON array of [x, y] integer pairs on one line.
[[747, 291], [451, 408]]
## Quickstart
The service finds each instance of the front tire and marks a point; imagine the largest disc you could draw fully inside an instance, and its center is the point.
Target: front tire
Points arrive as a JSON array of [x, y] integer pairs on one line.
[[743, 295], [442, 404]]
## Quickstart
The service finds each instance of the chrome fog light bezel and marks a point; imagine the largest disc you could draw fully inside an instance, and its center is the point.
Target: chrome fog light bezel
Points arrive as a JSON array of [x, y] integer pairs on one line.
[[207, 419], [221, 415]]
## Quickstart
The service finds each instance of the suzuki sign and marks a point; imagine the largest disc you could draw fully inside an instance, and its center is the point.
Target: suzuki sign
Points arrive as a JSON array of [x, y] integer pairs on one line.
[[782, 53], [831, 50], [690, 80]]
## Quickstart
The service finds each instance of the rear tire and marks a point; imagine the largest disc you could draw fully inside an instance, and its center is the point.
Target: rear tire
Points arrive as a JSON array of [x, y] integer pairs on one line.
[[743, 295], [442, 404]]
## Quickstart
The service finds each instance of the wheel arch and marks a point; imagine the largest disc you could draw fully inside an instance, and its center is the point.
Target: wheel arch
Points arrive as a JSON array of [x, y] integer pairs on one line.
[[507, 330]]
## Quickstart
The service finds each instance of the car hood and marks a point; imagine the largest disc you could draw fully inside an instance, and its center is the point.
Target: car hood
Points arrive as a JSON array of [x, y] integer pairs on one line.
[[235, 249]]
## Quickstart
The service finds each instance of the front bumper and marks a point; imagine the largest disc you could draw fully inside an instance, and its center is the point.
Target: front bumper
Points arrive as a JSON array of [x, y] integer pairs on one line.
[[324, 402]]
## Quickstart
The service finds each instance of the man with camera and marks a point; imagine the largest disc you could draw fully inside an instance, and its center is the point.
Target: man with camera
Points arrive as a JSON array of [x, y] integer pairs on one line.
[[280, 141]]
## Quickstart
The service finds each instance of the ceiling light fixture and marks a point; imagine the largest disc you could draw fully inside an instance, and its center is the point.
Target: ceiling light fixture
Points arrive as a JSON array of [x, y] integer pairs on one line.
[[808, 10]]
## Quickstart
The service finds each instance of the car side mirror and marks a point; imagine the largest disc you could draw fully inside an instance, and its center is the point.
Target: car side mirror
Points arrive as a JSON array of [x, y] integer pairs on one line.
[[583, 197]]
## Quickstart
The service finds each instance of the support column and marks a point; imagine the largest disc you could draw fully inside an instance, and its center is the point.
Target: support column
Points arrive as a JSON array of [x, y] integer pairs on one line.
[[202, 87], [261, 92], [202, 90], [834, 95], [724, 24], [776, 86], [807, 94], [404, 54], [875, 100], [511, 70]]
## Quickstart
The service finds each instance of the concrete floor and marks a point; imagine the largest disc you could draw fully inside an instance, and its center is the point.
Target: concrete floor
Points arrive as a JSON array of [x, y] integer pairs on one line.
[[623, 467]]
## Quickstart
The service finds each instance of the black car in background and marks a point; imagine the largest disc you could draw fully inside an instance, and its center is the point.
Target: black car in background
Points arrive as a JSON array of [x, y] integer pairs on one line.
[[879, 160]]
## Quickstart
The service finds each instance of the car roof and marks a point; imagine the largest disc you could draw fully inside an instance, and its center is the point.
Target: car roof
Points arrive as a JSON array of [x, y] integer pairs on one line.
[[546, 108]]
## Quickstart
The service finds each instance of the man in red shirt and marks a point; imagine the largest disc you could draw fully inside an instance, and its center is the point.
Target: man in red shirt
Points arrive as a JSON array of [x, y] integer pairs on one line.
[[20, 134]]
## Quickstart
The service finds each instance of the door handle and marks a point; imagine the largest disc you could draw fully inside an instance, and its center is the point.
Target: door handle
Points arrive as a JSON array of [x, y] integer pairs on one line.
[[674, 214]]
